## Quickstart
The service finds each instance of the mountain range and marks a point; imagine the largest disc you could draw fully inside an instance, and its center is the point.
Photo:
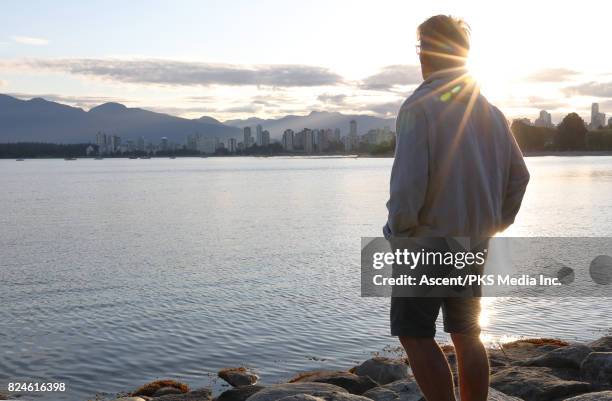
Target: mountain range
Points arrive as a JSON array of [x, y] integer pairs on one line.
[[40, 120]]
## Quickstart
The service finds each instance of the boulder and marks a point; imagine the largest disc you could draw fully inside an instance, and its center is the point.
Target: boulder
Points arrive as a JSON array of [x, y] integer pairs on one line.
[[495, 395], [597, 367], [203, 394], [238, 376], [344, 397], [382, 370], [120, 399], [535, 384], [278, 391], [149, 389], [400, 390], [351, 382], [570, 356], [167, 390], [604, 344], [301, 397], [239, 393], [327, 397], [598, 396]]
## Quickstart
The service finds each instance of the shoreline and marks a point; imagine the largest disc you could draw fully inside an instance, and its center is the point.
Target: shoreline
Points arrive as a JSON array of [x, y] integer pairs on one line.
[[565, 153], [529, 369]]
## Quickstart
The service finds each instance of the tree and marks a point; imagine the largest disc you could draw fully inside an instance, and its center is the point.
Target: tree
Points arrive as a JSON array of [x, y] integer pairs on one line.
[[571, 133]]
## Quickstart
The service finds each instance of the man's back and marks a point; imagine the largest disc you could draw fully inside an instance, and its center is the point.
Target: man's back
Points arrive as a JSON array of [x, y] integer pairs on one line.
[[458, 170]]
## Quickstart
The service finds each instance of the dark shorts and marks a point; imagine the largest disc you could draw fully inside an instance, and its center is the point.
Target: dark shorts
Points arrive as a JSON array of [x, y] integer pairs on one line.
[[416, 317]]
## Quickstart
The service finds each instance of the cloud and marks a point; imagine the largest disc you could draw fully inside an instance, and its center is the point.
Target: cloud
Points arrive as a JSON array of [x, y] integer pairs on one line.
[[182, 73], [392, 75], [598, 89], [332, 99], [545, 103], [551, 75], [386, 109], [29, 40]]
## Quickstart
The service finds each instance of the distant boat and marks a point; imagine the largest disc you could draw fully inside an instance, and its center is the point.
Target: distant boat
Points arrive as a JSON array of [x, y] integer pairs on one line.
[[19, 160], [69, 158], [133, 157], [145, 157]]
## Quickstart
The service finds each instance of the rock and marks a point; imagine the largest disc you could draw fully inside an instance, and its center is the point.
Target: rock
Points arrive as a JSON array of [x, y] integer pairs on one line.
[[535, 384], [597, 367], [598, 396], [301, 397], [166, 390], [344, 397], [604, 344], [149, 389], [351, 382], [203, 394], [238, 376], [121, 399], [326, 397], [383, 370], [564, 357], [3, 396], [278, 391], [495, 395], [239, 393], [400, 390]]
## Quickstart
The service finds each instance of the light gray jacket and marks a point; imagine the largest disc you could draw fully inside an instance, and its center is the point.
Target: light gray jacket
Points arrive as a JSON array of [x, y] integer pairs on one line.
[[457, 172]]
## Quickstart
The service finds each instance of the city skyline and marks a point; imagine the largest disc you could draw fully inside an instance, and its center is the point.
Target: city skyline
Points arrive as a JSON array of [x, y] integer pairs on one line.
[[254, 59]]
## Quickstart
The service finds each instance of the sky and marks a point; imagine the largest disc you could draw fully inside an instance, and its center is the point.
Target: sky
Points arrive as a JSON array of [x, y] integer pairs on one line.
[[232, 59]]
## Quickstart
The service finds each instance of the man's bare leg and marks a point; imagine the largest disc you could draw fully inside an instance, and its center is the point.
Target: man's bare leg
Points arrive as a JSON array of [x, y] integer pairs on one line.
[[430, 368], [473, 367]]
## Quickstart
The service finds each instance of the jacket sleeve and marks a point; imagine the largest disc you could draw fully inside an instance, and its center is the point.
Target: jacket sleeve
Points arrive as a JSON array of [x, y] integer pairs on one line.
[[410, 172], [518, 178]]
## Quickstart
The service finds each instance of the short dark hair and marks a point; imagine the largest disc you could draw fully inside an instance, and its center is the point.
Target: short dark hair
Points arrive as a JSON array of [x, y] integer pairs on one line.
[[444, 41]]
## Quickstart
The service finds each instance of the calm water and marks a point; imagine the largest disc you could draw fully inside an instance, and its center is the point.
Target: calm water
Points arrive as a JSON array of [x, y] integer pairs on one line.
[[116, 272]]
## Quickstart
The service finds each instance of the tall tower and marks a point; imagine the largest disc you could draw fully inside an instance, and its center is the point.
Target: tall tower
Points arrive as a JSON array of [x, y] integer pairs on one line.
[[594, 114], [353, 128], [247, 137], [259, 135]]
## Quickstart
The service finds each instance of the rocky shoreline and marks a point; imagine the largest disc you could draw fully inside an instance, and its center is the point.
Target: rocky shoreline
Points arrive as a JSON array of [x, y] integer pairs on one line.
[[529, 370]]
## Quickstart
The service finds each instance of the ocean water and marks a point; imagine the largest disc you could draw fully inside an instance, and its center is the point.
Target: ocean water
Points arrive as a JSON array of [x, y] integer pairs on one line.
[[117, 272]]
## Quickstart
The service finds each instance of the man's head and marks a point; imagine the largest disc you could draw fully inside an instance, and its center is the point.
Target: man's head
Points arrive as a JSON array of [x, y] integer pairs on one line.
[[444, 44]]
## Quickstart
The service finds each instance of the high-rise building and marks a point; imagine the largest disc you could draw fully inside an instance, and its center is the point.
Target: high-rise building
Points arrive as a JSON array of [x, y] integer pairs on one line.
[[299, 140], [231, 145], [610, 122], [308, 141], [248, 139], [288, 140], [101, 142], [597, 119], [337, 134], [322, 142], [265, 138], [353, 128], [259, 135], [544, 120], [163, 144]]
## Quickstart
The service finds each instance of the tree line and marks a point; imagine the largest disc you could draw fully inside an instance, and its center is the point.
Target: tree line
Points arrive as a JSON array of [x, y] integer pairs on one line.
[[570, 134]]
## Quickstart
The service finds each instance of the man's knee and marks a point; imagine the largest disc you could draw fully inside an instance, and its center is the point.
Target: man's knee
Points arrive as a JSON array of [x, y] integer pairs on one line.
[[415, 342], [466, 340]]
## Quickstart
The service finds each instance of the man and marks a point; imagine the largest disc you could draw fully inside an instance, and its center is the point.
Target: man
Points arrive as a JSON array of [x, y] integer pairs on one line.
[[458, 172]]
